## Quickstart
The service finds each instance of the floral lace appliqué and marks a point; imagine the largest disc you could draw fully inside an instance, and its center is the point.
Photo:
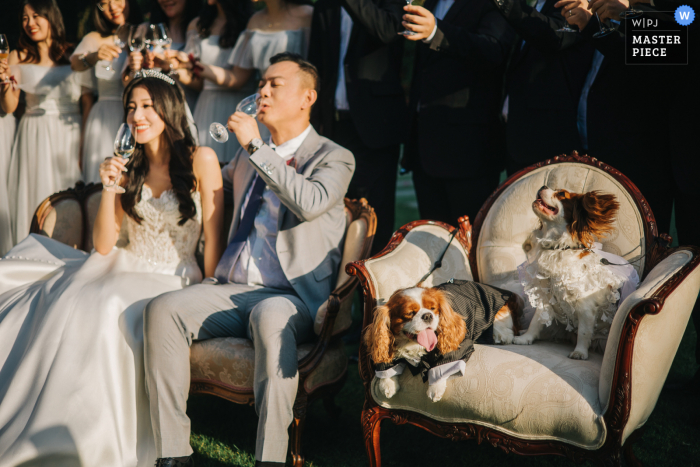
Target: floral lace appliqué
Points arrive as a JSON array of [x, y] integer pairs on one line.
[[158, 238]]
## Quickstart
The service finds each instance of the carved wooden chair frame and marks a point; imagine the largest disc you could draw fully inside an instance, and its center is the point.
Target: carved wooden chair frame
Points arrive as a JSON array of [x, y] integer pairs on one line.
[[617, 414], [80, 193], [327, 392]]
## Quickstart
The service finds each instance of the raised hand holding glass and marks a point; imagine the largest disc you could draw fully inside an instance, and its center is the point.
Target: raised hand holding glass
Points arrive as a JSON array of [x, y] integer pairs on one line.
[[124, 146], [248, 106]]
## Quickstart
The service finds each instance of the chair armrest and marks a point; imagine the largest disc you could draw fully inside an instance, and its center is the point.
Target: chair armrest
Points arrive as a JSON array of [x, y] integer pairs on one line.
[[643, 339], [336, 299]]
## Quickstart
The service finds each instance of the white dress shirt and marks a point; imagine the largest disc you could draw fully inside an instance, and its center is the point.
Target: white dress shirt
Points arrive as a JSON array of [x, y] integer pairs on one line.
[[258, 263], [441, 9], [341, 95]]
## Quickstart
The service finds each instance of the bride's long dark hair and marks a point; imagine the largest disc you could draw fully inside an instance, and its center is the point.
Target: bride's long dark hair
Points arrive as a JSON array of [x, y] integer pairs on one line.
[[169, 103]]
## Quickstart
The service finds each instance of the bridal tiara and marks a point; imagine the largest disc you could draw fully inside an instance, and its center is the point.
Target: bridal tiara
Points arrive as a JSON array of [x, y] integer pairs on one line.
[[148, 73]]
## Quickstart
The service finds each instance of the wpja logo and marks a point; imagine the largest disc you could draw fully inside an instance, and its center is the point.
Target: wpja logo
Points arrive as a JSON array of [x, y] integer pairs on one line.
[[659, 38]]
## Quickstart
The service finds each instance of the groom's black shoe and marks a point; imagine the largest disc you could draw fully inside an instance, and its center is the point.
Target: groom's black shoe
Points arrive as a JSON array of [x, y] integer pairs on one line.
[[175, 462]]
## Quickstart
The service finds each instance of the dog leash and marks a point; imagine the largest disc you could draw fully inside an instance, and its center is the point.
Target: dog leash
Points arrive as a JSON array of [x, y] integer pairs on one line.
[[438, 263]]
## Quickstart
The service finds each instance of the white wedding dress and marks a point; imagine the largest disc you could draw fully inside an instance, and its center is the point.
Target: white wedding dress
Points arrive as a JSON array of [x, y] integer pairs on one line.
[[72, 389]]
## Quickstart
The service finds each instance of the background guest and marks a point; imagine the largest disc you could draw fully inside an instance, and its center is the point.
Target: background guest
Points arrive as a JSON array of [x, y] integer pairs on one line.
[[616, 110], [455, 103], [545, 75], [177, 15], [102, 119], [356, 48], [45, 152], [7, 136], [210, 39]]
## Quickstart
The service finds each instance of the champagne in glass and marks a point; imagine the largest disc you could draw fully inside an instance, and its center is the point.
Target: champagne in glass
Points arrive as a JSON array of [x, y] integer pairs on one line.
[[124, 146], [4, 50], [249, 106]]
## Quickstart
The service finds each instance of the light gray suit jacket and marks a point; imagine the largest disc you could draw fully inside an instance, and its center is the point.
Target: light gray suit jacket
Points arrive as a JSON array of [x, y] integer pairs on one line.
[[311, 224]]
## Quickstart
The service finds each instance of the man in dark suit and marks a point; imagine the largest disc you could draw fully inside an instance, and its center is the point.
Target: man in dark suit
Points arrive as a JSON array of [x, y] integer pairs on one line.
[[545, 75], [455, 102], [361, 106]]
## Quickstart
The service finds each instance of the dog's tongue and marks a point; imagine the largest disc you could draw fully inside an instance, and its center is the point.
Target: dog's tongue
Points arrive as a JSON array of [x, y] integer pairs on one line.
[[427, 339]]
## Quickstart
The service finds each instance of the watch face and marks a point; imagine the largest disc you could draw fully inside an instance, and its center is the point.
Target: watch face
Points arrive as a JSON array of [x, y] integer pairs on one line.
[[257, 142]]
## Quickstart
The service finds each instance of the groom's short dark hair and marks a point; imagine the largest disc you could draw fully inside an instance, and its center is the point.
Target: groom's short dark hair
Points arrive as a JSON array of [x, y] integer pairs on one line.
[[306, 67]]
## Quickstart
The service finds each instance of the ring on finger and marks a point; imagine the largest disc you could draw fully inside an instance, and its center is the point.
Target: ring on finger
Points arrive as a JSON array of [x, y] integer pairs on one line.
[[571, 13]]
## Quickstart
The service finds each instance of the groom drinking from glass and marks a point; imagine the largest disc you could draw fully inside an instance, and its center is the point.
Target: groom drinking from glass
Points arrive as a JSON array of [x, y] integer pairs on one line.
[[279, 266]]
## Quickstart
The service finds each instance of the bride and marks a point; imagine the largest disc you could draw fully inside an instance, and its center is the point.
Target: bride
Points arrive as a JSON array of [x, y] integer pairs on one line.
[[71, 361]]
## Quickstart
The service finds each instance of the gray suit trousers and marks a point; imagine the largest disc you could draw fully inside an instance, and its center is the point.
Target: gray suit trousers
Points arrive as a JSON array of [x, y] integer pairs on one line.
[[275, 320]]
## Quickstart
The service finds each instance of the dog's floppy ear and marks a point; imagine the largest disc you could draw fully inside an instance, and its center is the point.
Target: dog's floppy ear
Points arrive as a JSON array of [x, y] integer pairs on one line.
[[452, 328], [592, 216], [378, 337]]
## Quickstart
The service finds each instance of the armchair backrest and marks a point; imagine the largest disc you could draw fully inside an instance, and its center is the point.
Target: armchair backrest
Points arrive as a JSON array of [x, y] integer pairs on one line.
[[412, 252], [506, 219]]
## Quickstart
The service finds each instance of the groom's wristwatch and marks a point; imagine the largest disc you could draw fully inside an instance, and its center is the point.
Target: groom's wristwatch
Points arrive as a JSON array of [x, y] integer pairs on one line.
[[254, 145]]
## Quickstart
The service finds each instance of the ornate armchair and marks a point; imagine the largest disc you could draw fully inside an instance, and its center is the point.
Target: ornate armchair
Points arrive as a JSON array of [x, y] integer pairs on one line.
[[533, 400], [224, 367]]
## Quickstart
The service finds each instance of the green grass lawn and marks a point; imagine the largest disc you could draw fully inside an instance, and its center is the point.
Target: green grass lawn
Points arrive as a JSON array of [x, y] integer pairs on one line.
[[223, 434]]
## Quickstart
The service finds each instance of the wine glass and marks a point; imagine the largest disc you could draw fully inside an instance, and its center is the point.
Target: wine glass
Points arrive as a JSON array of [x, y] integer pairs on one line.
[[136, 43], [124, 146], [567, 27], [407, 32], [4, 50], [151, 38], [121, 36], [631, 13], [249, 106], [164, 38], [604, 28]]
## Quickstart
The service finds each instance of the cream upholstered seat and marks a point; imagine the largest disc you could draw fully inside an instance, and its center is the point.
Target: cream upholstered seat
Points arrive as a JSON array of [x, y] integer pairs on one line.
[[534, 399]]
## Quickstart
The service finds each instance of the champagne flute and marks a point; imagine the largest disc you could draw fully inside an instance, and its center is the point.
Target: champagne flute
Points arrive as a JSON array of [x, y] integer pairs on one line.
[[604, 28], [249, 106], [124, 146], [150, 38], [4, 50]]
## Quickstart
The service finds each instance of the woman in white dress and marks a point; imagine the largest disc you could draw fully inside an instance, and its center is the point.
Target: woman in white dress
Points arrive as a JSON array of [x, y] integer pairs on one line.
[[47, 143], [104, 118], [7, 136], [71, 337], [282, 26]]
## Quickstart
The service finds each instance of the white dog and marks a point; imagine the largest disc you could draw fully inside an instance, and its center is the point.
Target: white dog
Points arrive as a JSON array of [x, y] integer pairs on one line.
[[565, 280]]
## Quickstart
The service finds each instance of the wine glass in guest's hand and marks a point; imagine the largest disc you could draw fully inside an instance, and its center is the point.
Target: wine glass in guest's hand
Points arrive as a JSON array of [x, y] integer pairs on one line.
[[604, 28], [408, 32], [121, 38], [4, 51], [124, 146], [136, 44], [248, 106], [164, 38]]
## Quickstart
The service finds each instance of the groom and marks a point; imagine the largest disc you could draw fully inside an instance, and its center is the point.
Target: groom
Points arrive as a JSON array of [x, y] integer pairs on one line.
[[279, 267]]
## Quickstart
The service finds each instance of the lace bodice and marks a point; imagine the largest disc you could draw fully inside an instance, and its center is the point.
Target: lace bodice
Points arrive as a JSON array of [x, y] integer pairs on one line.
[[159, 239]]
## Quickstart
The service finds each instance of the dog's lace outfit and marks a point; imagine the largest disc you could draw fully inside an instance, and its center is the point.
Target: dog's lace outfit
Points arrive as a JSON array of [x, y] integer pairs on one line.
[[555, 279]]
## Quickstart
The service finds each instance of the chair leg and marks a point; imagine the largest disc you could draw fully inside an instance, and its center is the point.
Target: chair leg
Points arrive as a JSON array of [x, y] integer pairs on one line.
[[371, 423], [297, 431], [332, 409]]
